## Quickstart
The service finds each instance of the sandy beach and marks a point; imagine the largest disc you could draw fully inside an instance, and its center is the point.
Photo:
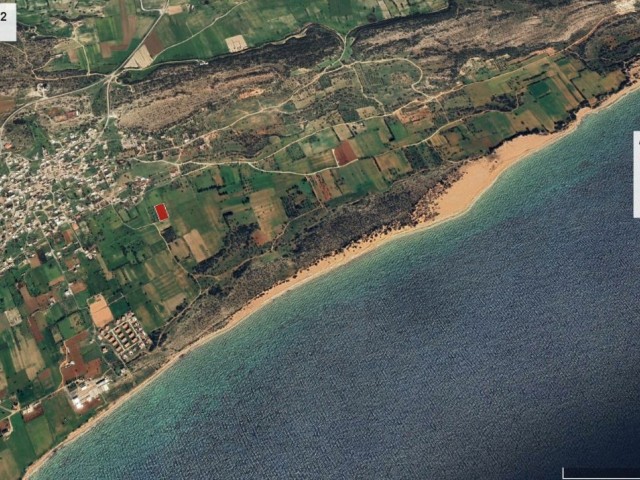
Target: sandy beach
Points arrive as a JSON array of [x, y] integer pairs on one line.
[[476, 177]]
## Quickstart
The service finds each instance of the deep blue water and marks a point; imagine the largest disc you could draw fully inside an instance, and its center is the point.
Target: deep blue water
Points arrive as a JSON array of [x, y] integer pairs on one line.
[[502, 345]]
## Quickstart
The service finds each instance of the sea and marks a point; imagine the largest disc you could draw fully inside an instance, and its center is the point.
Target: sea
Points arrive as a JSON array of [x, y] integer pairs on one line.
[[504, 344]]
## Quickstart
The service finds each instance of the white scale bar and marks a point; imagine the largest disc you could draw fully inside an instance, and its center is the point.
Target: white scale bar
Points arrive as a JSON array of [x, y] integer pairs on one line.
[[636, 139], [636, 174]]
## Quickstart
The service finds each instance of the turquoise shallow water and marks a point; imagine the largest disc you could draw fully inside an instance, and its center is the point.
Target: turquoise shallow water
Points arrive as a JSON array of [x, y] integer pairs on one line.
[[502, 345]]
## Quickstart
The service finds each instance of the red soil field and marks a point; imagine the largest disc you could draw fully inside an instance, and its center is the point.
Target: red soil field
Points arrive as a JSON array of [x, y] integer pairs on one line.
[[94, 368], [161, 211], [128, 24], [33, 304], [7, 104], [154, 44], [77, 287], [35, 331], [37, 411], [45, 377], [260, 237], [75, 366], [68, 236], [344, 153], [320, 188]]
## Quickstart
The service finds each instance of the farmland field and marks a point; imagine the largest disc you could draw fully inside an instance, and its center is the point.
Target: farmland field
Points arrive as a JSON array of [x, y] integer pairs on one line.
[[202, 33]]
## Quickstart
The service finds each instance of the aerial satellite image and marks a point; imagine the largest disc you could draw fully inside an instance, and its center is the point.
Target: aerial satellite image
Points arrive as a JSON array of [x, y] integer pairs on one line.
[[320, 239]]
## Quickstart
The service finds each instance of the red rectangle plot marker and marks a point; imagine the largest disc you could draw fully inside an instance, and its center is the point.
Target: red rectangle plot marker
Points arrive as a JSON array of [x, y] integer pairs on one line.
[[161, 211]]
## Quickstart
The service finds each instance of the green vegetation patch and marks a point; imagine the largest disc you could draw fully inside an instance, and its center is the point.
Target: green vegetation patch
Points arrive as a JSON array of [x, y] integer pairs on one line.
[[39, 435], [202, 32], [20, 443]]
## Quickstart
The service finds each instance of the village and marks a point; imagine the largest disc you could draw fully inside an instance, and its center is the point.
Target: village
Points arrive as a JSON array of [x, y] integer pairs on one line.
[[55, 186]]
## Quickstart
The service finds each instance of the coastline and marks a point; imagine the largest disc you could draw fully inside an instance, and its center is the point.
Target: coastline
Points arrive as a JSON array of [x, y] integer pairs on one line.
[[476, 177]]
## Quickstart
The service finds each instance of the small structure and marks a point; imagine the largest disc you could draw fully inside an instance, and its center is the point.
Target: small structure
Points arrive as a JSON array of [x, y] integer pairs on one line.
[[236, 43], [32, 412], [13, 317], [85, 393]]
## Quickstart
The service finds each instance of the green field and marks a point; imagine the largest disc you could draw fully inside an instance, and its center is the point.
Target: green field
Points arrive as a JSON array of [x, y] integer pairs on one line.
[[109, 31], [201, 33]]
